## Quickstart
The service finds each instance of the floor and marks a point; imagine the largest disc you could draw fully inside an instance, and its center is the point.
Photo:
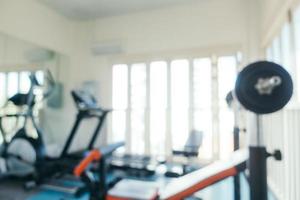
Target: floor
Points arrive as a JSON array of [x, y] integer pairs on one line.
[[219, 191]]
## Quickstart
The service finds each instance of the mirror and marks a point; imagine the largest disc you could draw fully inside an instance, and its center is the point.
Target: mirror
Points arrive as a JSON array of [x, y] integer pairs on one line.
[[17, 59]]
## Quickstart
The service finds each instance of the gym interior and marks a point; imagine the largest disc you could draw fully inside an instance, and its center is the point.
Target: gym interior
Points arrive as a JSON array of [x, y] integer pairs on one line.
[[144, 100]]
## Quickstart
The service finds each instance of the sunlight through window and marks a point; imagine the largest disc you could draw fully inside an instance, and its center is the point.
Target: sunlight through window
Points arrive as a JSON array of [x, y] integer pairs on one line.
[[158, 105], [226, 79], [138, 105], [12, 83], [179, 102], [120, 91], [202, 104]]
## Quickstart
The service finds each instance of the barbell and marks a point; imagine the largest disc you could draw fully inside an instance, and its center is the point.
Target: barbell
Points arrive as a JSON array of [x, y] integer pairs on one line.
[[263, 87]]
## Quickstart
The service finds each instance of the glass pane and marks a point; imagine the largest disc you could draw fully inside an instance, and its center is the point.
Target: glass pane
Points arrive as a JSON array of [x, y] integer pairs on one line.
[[179, 127], [226, 77], [2, 95], [120, 99], [203, 122], [269, 55], [138, 86], [158, 104], [202, 83], [157, 131], [138, 103], [286, 46], [3, 89], [276, 51], [24, 82], [137, 131], [296, 22], [158, 84], [12, 84], [119, 125], [226, 81], [180, 84], [226, 129], [179, 102], [40, 77], [202, 104], [120, 86]]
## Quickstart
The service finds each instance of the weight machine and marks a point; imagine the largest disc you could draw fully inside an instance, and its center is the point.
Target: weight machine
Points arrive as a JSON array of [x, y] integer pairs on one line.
[[261, 87]]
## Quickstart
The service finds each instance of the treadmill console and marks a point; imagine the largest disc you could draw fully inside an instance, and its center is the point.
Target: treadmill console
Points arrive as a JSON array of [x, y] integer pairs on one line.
[[84, 100]]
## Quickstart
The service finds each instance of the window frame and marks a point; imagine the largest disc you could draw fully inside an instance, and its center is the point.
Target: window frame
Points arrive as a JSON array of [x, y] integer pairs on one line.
[[130, 60]]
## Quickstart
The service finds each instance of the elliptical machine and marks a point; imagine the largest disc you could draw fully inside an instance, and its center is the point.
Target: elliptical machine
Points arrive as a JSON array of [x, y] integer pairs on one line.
[[20, 154]]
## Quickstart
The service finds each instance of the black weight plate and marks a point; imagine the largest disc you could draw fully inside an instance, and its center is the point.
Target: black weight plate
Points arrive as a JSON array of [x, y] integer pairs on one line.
[[248, 95]]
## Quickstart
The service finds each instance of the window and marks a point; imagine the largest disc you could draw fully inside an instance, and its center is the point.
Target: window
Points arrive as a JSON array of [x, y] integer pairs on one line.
[[202, 98], [157, 104], [285, 40], [226, 79], [276, 50], [281, 49], [296, 25], [138, 105], [12, 83], [24, 84], [3, 88], [179, 102], [120, 101]]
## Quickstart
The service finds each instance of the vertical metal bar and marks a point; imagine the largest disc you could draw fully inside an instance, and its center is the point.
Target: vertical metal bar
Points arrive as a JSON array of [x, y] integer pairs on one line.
[[102, 188], [236, 179], [237, 187], [19, 84], [286, 161], [6, 85], [292, 158], [236, 140], [215, 109], [147, 113], [297, 156], [293, 56], [259, 135], [168, 141], [66, 148], [258, 173], [282, 140], [97, 130], [191, 95], [128, 113]]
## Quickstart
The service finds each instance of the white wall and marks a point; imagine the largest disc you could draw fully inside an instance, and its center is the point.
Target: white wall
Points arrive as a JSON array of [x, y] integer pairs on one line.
[[205, 24], [198, 29], [274, 14], [33, 22]]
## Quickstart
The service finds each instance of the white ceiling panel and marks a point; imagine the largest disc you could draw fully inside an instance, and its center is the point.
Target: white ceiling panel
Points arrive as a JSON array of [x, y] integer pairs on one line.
[[91, 9]]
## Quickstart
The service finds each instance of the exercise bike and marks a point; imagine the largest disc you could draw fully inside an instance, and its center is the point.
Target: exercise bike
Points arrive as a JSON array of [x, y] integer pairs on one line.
[[23, 151]]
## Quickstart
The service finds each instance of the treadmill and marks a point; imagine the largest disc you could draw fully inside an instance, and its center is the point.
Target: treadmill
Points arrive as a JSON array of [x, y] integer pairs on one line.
[[60, 169], [88, 108]]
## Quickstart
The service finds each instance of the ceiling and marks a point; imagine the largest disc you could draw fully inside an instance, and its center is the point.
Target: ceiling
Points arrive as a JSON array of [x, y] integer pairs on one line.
[[91, 9]]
